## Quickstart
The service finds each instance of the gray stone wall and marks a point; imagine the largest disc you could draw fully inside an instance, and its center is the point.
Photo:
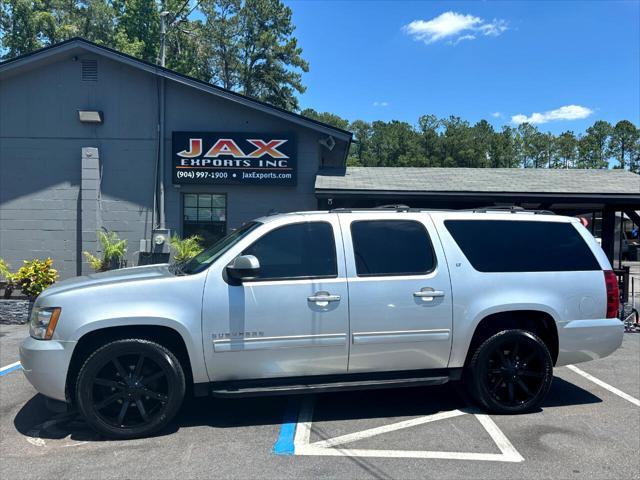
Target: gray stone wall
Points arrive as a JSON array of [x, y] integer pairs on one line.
[[15, 312]]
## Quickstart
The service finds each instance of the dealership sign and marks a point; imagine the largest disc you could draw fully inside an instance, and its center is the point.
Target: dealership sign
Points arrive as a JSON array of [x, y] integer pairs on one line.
[[233, 158]]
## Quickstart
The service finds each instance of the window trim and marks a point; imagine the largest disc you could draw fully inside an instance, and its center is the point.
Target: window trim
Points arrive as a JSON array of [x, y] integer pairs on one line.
[[411, 274], [306, 277]]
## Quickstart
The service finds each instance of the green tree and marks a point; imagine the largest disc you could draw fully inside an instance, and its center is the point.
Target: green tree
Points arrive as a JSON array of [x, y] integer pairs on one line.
[[526, 150], [623, 144], [428, 126], [567, 149], [253, 50], [482, 134], [326, 117], [456, 142], [394, 144], [20, 25], [360, 154], [594, 145], [96, 21], [503, 153], [138, 26]]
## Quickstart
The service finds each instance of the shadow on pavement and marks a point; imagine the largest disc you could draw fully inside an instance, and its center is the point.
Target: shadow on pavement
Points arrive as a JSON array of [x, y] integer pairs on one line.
[[35, 420]]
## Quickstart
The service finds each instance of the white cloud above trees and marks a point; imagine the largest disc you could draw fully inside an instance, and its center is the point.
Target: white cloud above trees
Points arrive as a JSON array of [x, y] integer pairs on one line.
[[454, 27], [567, 112]]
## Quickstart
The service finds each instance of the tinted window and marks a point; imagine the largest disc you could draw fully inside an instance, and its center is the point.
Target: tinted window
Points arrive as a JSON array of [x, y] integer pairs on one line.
[[294, 251], [393, 247], [521, 246]]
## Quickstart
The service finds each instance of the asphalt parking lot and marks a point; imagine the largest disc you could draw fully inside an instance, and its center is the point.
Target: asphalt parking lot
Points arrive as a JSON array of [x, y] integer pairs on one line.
[[585, 429]]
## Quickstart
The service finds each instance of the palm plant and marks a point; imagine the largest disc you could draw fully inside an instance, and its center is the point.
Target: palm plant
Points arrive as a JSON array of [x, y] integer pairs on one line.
[[114, 250], [185, 248]]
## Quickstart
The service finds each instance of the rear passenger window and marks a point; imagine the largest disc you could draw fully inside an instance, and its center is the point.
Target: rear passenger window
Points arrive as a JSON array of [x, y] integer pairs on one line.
[[299, 250], [522, 246], [391, 247]]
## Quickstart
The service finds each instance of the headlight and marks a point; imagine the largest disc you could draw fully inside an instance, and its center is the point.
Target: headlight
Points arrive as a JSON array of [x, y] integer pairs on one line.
[[43, 322]]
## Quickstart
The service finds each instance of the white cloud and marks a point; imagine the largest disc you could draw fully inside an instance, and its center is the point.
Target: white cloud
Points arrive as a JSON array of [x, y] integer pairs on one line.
[[453, 26], [380, 104], [496, 114], [461, 39], [568, 112]]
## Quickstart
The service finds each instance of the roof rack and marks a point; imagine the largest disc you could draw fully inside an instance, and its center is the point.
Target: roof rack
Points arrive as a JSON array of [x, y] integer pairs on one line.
[[405, 208], [511, 209]]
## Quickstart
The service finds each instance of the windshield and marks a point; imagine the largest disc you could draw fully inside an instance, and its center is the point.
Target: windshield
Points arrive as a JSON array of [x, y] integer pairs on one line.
[[211, 254]]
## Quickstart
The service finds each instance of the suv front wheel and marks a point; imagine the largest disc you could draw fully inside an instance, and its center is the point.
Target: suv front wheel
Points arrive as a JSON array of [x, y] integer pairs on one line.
[[511, 372], [130, 388]]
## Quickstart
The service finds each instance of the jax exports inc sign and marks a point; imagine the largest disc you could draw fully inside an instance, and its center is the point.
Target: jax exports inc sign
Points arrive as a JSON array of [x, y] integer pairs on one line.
[[234, 158]]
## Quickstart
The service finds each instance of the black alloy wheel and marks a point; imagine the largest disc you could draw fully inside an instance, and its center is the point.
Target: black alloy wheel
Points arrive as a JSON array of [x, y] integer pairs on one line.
[[130, 388], [511, 372]]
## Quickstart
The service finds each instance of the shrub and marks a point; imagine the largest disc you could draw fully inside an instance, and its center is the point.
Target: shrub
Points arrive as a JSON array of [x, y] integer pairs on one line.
[[114, 250], [5, 272], [35, 275], [185, 248]]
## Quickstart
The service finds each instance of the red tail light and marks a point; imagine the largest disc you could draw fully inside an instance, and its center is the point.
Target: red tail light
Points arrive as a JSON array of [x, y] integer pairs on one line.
[[613, 294]]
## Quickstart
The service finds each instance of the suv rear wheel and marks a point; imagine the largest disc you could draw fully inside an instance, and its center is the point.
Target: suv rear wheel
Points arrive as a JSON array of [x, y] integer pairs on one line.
[[130, 388], [511, 372]]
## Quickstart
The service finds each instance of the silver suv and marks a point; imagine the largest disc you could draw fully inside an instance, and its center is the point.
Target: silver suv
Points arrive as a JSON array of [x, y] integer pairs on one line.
[[322, 301]]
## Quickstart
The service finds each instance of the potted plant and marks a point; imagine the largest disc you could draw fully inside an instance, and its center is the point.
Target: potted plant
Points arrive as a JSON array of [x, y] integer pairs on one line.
[[34, 276], [185, 248], [114, 252]]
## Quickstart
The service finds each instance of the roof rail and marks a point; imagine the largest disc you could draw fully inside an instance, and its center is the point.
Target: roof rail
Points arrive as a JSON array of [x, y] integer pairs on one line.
[[405, 208], [511, 209], [394, 207]]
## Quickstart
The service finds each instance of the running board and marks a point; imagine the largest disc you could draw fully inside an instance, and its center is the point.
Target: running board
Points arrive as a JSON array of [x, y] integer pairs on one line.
[[302, 385]]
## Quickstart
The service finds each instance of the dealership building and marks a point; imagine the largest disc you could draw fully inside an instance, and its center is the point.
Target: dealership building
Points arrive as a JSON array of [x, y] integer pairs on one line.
[[93, 139]]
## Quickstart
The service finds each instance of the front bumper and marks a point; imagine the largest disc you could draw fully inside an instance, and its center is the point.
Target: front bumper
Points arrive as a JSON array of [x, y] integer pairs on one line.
[[584, 340], [45, 364]]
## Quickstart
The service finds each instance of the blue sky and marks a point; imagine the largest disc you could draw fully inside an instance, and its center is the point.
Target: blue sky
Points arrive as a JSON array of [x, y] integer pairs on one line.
[[570, 63]]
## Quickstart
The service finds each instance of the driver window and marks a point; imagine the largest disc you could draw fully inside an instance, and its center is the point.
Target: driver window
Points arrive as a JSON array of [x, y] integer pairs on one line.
[[300, 250]]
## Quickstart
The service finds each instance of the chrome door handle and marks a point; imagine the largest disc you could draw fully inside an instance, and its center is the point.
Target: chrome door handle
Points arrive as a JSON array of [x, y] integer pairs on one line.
[[323, 297], [428, 293]]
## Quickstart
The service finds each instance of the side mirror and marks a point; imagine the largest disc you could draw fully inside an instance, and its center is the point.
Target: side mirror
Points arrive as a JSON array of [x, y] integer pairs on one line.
[[243, 268]]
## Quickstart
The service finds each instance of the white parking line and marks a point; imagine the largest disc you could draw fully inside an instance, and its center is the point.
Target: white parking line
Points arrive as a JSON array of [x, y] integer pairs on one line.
[[303, 446], [604, 385], [9, 368]]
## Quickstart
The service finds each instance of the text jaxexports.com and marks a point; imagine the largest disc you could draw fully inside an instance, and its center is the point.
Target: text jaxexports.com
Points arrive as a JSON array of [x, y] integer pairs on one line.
[[264, 175]]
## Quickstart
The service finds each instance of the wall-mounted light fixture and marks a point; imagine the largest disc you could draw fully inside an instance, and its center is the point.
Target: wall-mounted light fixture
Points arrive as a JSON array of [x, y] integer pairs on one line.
[[90, 116]]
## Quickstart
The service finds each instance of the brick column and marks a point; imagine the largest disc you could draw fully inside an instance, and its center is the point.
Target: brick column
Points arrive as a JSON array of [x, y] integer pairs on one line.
[[90, 219]]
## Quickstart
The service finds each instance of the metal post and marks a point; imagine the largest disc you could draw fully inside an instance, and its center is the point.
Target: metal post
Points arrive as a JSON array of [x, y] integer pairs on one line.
[[620, 242], [609, 232]]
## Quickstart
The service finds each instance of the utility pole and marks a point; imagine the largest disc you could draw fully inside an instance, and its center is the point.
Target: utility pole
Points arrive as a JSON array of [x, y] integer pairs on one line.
[[161, 127], [163, 33]]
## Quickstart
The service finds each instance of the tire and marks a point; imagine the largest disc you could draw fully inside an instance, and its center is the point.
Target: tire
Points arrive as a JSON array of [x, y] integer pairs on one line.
[[511, 372], [130, 388]]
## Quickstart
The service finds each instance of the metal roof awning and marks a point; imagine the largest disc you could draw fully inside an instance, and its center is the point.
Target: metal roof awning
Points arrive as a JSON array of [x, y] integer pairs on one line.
[[483, 184]]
